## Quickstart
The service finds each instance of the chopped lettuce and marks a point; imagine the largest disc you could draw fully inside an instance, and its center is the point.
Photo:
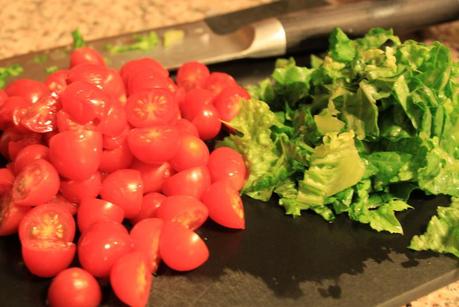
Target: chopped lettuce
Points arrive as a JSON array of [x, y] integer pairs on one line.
[[141, 42], [6, 72], [78, 40]]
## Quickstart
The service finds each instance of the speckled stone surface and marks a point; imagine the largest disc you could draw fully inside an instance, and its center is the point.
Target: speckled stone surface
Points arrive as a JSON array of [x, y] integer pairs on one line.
[[30, 25]]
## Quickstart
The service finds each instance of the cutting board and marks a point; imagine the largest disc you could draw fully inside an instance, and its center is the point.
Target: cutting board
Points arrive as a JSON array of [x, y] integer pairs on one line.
[[278, 260]]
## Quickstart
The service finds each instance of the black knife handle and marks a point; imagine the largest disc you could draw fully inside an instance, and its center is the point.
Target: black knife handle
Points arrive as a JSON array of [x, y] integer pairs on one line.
[[304, 26]]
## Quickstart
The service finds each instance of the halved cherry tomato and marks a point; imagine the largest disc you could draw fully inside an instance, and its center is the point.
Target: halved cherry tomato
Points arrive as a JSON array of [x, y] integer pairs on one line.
[[145, 80], [180, 248], [93, 210], [225, 205], [47, 222], [36, 184], [124, 188], [193, 181], [112, 142], [228, 102], [10, 214], [57, 81], [155, 145], [6, 180], [192, 152], [23, 140], [46, 258], [101, 246], [117, 158], [183, 209], [150, 204], [65, 123], [28, 89], [186, 127], [115, 121], [39, 117], [195, 100], [76, 154], [217, 81], [153, 176], [131, 68], [8, 109], [145, 236], [227, 164], [192, 75], [74, 287], [60, 201], [28, 154], [207, 122], [3, 97], [131, 279], [75, 191], [86, 55]]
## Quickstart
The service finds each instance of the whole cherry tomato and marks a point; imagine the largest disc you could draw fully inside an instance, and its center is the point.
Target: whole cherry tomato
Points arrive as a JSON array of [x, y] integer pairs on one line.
[[93, 210], [192, 75], [86, 55]]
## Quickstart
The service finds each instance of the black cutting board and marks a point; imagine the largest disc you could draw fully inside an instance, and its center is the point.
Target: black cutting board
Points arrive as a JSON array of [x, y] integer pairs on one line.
[[277, 260]]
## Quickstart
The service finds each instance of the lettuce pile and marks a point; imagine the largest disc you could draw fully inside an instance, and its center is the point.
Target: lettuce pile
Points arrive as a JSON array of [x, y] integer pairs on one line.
[[356, 132]]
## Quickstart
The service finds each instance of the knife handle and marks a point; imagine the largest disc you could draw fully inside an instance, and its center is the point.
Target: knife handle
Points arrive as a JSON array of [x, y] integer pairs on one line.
[[302, 27]]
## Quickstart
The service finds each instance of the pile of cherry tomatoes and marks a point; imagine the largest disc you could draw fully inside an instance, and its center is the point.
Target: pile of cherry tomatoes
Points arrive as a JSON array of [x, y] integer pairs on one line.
[[108, 171]]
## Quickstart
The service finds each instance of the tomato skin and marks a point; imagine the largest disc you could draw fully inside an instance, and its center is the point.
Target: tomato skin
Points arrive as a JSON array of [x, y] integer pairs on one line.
[[183, 209], [101, 245], [192, 75], [112, 142], [93, 210], [192, 152], [28, 154], [57, 81], [76, 154], [133, 67], [3, 97], [153, 176], [86, 55], [76, 191], [150, 204], [115, 159], [217, 81], [145, 236], [60, 201], [74, 287], [228, 102], [6, 180], [193, 182], [9, 108], [185, 127], [146, 80], [227, 164], [194, 101], [115, 121], [50, 222], [225, 205], [207, 122], [124, 188], [10, 214], [131, 280], [180, 248], [28, 89], [36, 184], [45, 258], [65, 123], [155, 144]]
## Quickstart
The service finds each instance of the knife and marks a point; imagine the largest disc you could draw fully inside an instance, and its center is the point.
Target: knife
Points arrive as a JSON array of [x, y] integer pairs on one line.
[[273, 36]]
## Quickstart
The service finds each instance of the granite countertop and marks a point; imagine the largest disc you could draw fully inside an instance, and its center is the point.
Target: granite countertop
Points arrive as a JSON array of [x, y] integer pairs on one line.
[[30, 25]]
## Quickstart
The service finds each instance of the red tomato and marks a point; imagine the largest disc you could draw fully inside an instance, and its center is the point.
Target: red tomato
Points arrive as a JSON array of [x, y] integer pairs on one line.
[[3, 97], [145, 236], [85, 102], [45, 258], [8, 109], [153, 107], [180, 94], [192, 75], [117, 158], [76, 154], [225, 205], [150, 203], [36, 184], [39, 117], [93, 210], [155, 145], [186, 127], [6, 180], [65, 123], [115, 122], [47, 222], [228, 102], [146, 80], [180, 248], [75, 191], [124, 187], [131, 279], [59, 200], [195, 100], [86, 55], [30, 90], [28, 154], [153, 176], [101, 245], [183, 209], [133, 67], [193, 181], [191, 152], [74, 287], [217, 81], [207, 122], [112, 142], [57, 81], [227, 164], [10, 215], [12, 141]]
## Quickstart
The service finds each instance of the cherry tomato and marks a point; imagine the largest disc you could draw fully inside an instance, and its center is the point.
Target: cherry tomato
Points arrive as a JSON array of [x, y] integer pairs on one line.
[[227, 164], [47, 222], [28, 154], [93, 210], [39, 117], [146, 80], [10, 214], [101, 245], [3, 97], [30, 90], [183, 209], [207, 122], [86, 55], [150, 204], [180, 248], [74, 287], [117, 158], [228, 102], [156, 106], [131, 279], [225, 205], [192, 75], [13, 141], [57, 81], [60, 201], [76, 154], [75, 191], [217, 81], [36, 184], [153, 176], [195, 100], [145, 236], [6, 180], [186, 127], [8, 109], [155, 145], [46, 258], [112, 142], [193, 182], [131, 68], [191, 152], [65, 123], [115, 121], [124, 187]]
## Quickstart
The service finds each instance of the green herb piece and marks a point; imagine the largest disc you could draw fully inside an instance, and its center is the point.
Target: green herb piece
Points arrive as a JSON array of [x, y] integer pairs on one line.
[[40, 58], [173, 37], [51, 69], [144, 42], [12, 70], [78, 40]]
